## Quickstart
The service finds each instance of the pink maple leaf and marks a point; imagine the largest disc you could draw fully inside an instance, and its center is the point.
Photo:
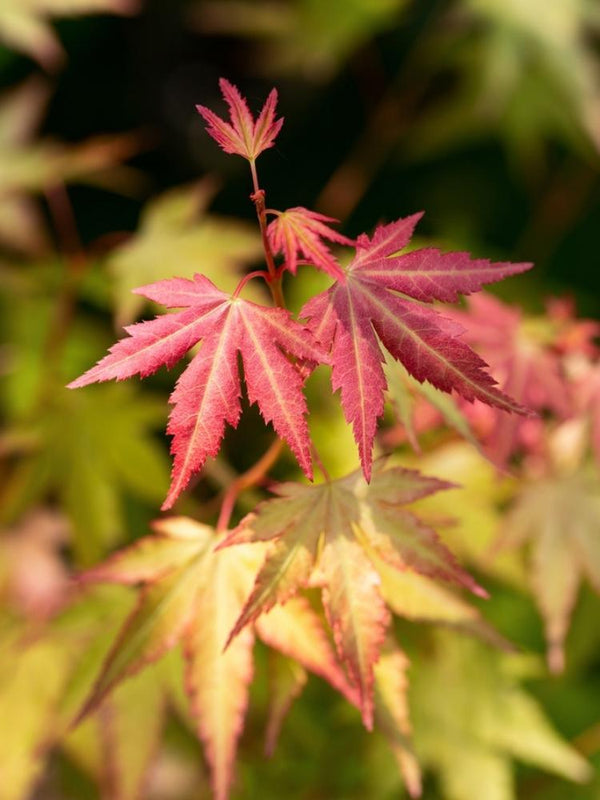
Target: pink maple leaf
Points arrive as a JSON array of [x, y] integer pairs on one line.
[[301, 231], [528, 367], [207, 395], [244, 135], [372, 303]]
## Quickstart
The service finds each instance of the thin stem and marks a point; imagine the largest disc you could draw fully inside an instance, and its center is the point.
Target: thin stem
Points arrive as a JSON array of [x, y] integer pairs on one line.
[[247, 479], [259, 273], [75, 260], [65, 225], [319, 462], [258, 198]]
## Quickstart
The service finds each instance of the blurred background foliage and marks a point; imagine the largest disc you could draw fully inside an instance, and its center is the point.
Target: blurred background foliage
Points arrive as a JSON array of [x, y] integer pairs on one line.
[[485, 113]]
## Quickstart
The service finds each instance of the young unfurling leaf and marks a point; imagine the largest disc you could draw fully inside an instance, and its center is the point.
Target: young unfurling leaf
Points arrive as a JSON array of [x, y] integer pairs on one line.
[[207, 395], [243, 135], [300, 231], [372, 304]]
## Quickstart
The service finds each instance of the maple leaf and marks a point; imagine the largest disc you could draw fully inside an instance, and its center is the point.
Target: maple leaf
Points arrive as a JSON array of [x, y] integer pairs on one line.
[[244, 136], [300, 231], [528, 368], [419, 406], [127, 461], [287, 679], [560, 519], [392, 712], [25, 24], [207, 394], [192, 593], [326, 535], [372, 303], [471, 718]]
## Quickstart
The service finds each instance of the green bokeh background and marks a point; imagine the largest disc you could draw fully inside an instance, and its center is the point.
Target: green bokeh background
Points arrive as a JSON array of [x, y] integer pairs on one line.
[[483, 115]]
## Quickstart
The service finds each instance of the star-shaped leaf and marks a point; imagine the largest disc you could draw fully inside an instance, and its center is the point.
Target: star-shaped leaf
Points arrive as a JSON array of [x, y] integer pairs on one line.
[[560, 519], [375, 301], [207, 395], [299, 231], [192, 594], [244, 135], [330, 535]]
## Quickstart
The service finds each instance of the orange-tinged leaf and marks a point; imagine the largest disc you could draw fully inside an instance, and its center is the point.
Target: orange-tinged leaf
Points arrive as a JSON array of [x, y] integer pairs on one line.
[[392, 715], [332, 536], [295, 630], [286, 681], [216, 678], [156, 625], [356, 612], [192, 593]]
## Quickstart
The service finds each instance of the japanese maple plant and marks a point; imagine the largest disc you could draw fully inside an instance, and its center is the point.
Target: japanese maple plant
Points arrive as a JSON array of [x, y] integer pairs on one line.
[[335, 536]]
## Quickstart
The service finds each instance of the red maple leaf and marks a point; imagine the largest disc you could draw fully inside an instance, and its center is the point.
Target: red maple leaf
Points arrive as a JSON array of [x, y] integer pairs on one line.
[[207, 394], [244, 136], [371, 303], [301, 231], [522, 355]]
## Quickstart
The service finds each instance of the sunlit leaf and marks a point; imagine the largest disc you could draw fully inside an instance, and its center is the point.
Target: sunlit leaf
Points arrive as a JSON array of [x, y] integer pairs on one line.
[[192, 593], [32, 678], [471, 718], [392, 713], [382, 301], [208, 393], [333, 528]]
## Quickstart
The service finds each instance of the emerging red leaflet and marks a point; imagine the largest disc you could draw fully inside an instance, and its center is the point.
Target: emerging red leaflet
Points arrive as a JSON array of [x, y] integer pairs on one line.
[[298, 230], [207, 394], [243, 136], [371, 302]]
